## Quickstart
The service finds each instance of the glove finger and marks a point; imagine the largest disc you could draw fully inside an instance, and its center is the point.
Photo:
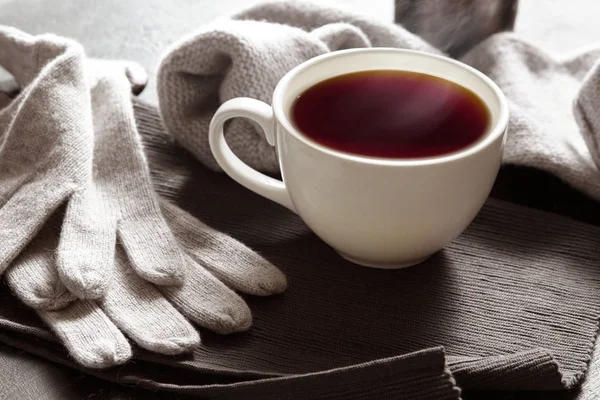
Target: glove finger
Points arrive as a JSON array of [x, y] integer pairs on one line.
[[33, 277], [86, 250], [228, 259], [25, 213], [209, 302], [144, 314], [153, 251], [83, 328], [123, 179], [88, 334]]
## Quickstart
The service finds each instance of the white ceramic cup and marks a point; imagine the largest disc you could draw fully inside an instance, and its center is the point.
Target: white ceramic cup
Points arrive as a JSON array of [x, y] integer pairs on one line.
[[376, 212]]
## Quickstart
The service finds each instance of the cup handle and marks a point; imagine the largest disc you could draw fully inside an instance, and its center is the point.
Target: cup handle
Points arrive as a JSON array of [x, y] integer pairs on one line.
[[261, 113]]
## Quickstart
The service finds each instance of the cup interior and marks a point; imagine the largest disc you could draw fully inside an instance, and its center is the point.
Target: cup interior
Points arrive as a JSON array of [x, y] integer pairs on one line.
[[347, 61]]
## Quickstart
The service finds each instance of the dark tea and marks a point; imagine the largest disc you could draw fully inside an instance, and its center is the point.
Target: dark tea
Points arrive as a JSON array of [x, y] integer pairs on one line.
[[391, 114]]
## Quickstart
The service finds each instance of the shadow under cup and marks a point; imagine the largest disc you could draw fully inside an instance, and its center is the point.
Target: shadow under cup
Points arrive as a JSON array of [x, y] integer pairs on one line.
[[376, 212]]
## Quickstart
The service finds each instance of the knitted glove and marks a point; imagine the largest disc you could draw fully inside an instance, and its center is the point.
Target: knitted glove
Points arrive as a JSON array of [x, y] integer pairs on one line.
[[46, 132], [154, 317]]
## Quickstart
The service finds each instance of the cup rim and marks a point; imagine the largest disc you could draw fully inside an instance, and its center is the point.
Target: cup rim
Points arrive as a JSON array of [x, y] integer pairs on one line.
[[497, 130]]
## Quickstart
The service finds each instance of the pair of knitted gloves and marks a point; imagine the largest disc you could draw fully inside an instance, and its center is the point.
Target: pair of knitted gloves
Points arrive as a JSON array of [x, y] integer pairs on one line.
[[84, 238]]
